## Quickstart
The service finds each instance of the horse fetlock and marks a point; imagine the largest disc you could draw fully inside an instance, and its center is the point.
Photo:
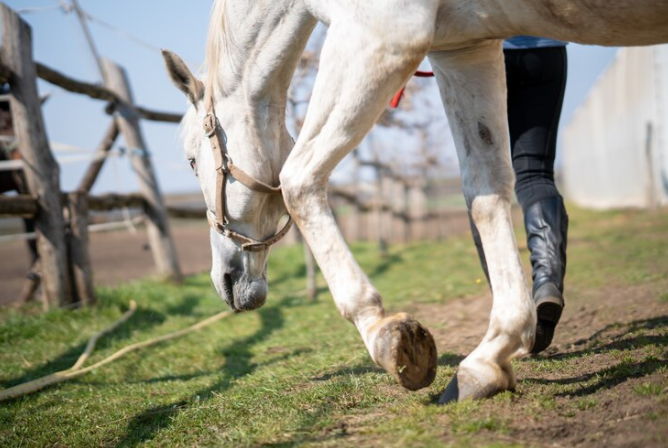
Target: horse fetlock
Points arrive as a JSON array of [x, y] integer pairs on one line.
[[514, 330], [365, 308], [477, 379], [405, 349]]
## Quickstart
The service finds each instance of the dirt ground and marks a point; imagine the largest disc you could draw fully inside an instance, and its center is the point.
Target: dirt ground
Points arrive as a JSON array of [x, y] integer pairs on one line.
[[597, 331], [117, 256]]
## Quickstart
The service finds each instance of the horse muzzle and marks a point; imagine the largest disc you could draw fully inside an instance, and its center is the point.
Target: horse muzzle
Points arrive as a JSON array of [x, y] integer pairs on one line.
[[241, 292]]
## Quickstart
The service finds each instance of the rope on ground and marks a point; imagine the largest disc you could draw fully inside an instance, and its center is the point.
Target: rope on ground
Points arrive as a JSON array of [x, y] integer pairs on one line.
[[77, 370]]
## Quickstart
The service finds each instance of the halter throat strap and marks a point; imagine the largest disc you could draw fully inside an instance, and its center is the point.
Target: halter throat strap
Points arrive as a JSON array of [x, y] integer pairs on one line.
[[225, 167]]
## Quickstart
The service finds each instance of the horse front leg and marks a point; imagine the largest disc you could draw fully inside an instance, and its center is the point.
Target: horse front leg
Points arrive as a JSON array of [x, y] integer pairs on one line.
[[358, 75], [473, 89]]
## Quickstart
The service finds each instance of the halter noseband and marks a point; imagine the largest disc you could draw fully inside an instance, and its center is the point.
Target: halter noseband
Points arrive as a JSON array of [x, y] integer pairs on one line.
[[225, 167]]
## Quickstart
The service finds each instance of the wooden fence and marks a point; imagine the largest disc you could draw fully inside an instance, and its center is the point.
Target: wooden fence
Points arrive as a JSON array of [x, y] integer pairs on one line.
[[61, 219]]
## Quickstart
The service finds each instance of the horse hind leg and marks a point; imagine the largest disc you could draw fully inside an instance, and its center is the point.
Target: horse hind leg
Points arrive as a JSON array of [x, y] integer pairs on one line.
[[359, 73], [472, 85]]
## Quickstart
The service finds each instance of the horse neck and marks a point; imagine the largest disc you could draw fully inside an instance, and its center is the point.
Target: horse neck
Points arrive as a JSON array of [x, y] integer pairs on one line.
[[254, 47]]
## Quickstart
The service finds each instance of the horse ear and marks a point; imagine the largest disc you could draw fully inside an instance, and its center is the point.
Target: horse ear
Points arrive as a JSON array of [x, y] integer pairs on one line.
[[182, 78]]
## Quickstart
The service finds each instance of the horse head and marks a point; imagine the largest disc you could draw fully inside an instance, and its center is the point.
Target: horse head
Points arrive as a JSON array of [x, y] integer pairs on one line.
[[243, 217]]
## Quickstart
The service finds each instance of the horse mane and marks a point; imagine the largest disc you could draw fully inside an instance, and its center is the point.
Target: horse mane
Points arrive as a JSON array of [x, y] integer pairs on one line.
[[217, 44]]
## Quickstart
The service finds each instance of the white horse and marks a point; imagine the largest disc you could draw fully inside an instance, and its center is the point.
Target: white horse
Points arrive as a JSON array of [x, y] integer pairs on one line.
[[372, 49]]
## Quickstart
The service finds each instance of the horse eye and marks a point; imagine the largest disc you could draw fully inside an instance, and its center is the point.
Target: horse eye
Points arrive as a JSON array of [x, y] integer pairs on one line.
[[193, 165]]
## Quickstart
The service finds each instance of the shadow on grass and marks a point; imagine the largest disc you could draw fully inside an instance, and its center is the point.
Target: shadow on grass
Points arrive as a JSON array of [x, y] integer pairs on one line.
[[146, 425], [297, 272], [619, 342], [612, 376], [358, 370], [450, 359], [385, 264], [446, 359], [143, 318], [186, 307], [630, 327], [606, 378]]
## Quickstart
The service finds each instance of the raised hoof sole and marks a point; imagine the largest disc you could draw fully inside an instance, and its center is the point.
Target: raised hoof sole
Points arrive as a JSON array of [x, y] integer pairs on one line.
[[407, 351]]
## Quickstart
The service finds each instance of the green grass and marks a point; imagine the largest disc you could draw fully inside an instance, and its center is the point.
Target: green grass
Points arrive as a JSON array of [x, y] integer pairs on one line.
[[663, 297], [295, 372], [650, 389]]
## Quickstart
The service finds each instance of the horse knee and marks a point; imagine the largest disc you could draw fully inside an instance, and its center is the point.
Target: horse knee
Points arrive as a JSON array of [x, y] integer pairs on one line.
[[299, 189], [487, 181], [486, 209]]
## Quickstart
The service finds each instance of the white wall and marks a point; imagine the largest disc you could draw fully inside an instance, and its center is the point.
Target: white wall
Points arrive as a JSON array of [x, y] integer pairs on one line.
[[605, 159]]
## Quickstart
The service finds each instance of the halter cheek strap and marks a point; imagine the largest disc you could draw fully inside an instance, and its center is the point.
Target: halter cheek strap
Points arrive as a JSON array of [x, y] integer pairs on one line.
[[225, 167]]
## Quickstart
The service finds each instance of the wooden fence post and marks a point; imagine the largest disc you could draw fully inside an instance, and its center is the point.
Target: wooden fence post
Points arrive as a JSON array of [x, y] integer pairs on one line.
[[380, 214], [159, 235], [309, 261], [101, 153], [41, 169], [405, 210], [82, 272]]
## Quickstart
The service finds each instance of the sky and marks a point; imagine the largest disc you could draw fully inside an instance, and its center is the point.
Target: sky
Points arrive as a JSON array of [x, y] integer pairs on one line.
[[181, 26]]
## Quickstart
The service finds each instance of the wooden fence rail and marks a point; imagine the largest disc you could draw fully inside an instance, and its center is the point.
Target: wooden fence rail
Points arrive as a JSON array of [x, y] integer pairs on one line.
[[21, 206], [94, 91], [26, 206], [99, 92]]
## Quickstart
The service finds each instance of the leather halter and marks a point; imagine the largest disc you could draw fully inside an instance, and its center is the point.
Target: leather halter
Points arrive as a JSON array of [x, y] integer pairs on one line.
[[224, 168]]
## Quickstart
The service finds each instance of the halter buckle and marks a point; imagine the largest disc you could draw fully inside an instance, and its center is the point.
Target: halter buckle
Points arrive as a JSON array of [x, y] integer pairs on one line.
[[214, 126], [254, 247]]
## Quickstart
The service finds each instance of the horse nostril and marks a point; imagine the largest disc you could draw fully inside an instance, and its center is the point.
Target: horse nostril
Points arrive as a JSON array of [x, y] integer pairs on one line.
[[227, 286]]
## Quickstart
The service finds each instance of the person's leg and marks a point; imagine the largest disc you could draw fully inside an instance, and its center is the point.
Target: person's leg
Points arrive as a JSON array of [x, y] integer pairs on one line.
[[536, 83]]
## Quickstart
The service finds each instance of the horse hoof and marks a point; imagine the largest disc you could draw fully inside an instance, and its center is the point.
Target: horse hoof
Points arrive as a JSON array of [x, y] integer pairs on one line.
[[406, 350], [466, 385]]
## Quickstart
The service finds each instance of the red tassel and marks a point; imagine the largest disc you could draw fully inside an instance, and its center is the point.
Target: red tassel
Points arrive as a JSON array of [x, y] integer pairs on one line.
[[397, 98]]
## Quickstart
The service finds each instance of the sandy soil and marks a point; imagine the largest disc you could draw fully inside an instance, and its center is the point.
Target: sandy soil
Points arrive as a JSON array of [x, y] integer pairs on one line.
[[120, 256], [600, 338], [117, 257]]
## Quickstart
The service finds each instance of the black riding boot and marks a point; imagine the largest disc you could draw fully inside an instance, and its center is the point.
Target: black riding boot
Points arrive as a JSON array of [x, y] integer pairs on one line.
[[546, 224]]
